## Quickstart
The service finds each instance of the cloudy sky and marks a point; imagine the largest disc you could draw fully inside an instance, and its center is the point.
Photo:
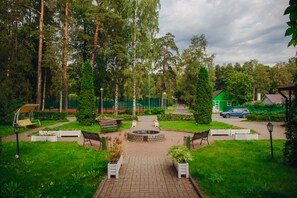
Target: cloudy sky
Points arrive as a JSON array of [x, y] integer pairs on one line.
[[236, 30]]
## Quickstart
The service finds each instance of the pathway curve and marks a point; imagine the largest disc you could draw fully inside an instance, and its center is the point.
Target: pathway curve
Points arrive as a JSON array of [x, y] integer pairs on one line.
[[147, 171], [25, 136], [181, 110], [259, 127]]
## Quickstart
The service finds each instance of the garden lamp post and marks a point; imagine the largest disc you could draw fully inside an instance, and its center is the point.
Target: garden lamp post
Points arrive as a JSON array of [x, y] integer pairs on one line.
[[17, 130], [270, 129], [101, 89]]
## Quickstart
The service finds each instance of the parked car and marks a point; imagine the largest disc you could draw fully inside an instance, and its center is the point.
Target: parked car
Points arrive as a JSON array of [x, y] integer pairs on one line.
[[239, 112]]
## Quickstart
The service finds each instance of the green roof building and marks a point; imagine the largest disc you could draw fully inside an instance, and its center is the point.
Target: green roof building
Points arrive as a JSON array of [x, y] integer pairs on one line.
[[220, 99]]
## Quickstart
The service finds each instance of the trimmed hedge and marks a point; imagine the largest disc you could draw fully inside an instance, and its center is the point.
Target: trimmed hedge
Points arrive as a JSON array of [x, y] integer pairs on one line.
[[154, 111], [265, 116], [125, 117], [45, 115], [175, 117]]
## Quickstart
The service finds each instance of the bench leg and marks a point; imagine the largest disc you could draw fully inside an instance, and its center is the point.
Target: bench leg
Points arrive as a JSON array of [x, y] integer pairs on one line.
[[201, 141], [193, 144]]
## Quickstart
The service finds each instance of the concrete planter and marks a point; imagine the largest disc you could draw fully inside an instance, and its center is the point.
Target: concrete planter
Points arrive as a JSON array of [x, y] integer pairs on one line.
[[246, 136], [182, 169], [240, 131], [36, 138], [114, 168]]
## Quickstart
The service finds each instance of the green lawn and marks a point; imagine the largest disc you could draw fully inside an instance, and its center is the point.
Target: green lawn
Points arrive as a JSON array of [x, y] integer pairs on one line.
[[243, 169], [50, 170], [94, 128], [191, 126], [8, 130]]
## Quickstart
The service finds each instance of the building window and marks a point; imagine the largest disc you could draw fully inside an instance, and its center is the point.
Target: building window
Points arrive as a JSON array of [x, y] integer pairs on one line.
[[229, 103], [217, 106]]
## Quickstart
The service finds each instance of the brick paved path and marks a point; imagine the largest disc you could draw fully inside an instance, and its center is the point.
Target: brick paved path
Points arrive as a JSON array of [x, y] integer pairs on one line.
[[147, 171]]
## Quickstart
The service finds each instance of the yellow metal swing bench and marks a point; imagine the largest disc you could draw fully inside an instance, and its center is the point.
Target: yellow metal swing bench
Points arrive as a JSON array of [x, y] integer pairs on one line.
[[25, 121]]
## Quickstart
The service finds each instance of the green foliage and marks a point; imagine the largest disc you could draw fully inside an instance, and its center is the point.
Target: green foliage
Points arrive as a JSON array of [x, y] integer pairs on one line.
[[1, 146], [174, 117], [44, 173], [86, 107], [180, 153], [154, 111], [267, 116], [191, 126], [125, 117], [220, 166], [7, 109], [292, 23], [45, 115], [290, 150], [239, 87], [203, 102]]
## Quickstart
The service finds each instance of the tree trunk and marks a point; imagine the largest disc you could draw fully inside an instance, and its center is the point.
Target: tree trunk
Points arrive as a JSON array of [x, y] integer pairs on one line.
[[95, 42], [116, 98], [44, 88], [38, 99], [61, 101], [134, 64], [65, 52]]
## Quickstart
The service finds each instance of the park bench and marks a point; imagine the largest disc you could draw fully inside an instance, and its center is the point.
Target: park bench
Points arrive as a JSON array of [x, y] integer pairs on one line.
[[104, 124], [200, 135], [88, 136]]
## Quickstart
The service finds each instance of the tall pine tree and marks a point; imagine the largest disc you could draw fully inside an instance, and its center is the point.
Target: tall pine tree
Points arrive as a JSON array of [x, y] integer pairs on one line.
[[86, 106], [203, 102], [290, 150]]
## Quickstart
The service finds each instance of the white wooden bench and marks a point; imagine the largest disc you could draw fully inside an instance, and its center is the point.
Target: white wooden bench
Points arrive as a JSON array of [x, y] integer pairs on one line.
[[246, 136], [219, 132], [240, 131], [69, 133]]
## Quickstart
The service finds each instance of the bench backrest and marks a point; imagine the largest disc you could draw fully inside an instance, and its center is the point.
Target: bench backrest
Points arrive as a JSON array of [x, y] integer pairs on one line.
[[90, 135], [200, 135], [108, 122]]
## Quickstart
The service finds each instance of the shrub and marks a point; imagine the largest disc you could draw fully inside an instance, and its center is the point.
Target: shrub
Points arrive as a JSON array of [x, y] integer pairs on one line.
[[266, 116], [180, 153], [86, 106], [115, 151], [154, 111], [121, 116], [175, 117], [7, 109], [45, 115], [290, 150], [203, 102]]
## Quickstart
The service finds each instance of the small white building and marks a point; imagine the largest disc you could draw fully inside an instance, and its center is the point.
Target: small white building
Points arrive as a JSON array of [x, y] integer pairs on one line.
[[273, 99]]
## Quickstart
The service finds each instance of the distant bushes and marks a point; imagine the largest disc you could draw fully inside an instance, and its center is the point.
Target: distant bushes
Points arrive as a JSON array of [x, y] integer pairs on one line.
[[155, 111], [175, 117], [45, 115], [125, 117], [266, 116]]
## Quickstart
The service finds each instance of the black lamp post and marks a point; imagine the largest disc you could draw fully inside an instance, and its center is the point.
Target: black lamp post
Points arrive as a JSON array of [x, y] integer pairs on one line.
[[17, 130], [270, 129]]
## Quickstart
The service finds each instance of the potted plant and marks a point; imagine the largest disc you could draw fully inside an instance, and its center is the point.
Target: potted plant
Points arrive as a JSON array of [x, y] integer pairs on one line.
[[180, 156], [115, 158]]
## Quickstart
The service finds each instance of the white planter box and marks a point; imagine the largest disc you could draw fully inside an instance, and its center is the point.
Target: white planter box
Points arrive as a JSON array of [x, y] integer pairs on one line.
[[246, 136], [69, 133], [182, 169], [113, 169], [220, 132], [240, 131], [35, 138]]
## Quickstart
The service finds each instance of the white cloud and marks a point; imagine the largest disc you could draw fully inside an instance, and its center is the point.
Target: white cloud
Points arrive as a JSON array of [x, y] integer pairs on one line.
[[236, 30]]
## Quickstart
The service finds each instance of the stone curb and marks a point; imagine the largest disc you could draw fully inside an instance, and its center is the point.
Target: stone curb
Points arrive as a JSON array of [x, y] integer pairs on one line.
[[196, 187], [100, 187]]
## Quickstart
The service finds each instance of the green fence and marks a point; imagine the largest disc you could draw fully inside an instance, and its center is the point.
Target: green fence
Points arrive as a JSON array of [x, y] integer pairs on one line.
[[72, 104]]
